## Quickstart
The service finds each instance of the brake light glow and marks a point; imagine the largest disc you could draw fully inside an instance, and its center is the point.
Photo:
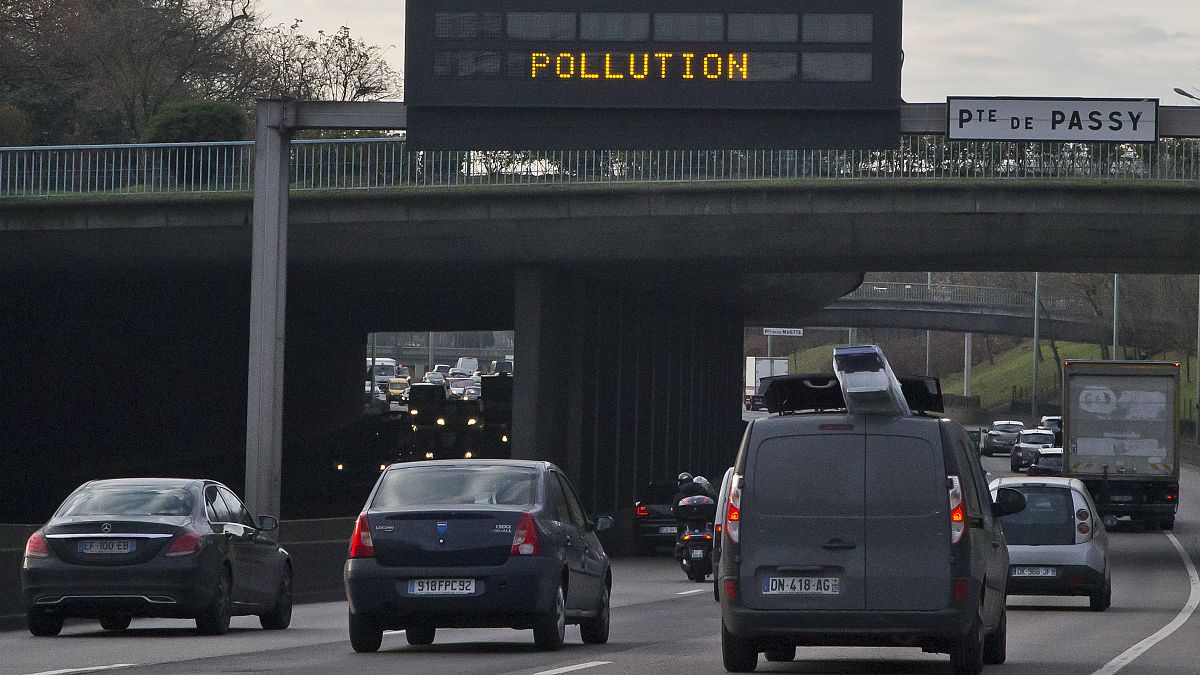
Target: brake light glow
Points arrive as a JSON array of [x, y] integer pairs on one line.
[[525, 540], [361, 545], [733, 512], [961, 586], [958, 509], [186, 542], [641, 511], [731, 588], [36, 547]]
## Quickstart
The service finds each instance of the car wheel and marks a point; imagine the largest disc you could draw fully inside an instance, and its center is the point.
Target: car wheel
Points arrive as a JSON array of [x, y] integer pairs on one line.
[[595, 631], [737, 654], [43, 624], [366, 634], [280, 617], [1014, 465], [215, 618], [1167, 523], [781, 655], [420, 634], [115, 622], [995, 646], [966, 652], [716, 589], [1101, 599], [549, 629]]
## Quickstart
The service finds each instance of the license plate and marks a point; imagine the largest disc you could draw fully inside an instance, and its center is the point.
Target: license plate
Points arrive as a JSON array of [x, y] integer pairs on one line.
[[106, 546], [801, 586], [668, 529], [441, 586], [697, 553], [1034, 572], [1120, 498]]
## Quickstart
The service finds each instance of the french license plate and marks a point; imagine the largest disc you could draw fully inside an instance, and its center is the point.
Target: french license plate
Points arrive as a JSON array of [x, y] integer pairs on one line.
[[801, 586], [697, 553], [441, 586], [106, 546], [668, 529], [1120, 498], [1034, 572]]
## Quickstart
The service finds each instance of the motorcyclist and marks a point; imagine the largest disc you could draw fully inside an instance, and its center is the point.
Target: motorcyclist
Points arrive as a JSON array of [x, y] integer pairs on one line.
[[689, 486]]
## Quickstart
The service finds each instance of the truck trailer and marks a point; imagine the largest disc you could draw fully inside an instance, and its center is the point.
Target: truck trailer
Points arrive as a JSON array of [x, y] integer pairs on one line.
[[1120, 424]]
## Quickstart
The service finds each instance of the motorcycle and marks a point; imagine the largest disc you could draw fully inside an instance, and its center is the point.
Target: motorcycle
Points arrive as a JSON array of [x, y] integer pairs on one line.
[[694, 547]]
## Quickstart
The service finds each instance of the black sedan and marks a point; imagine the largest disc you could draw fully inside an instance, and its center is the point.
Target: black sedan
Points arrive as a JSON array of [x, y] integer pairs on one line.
[[155, 547], [476, 544]]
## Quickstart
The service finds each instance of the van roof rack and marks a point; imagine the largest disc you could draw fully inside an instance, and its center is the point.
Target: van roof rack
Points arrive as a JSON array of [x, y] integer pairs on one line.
[[815, 392]]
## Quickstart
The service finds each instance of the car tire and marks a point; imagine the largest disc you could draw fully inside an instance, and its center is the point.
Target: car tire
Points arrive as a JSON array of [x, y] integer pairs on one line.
[[366, 634], [115, 623], [995, 646], [549, 629], [716, 589], [43, 624], [1167, 523], [280, 616], [1101, 599], [966, 652], [1014, 465], [781, 655], [737, 654], [594, 631], [420, 634], [215, 618]]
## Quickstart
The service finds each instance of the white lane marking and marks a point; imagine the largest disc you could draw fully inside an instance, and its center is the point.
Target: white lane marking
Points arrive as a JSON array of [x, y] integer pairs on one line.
[[393, 632], [571, 669], [93, 669], [1127, 657], [698, 590]]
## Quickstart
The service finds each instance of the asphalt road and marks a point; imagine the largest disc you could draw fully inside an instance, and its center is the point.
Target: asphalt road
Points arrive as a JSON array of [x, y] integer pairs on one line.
[[663, 623]]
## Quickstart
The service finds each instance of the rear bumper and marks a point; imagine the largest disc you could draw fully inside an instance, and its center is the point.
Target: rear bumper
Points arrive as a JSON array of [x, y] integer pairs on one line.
[[508, 595], [646, 530], [846, 628], [1070, 580], [159, 588]]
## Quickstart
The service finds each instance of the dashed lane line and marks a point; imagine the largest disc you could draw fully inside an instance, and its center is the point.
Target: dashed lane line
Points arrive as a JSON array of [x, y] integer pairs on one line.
[[692, 592], [1127, 657], [93, 669], [571, 669]]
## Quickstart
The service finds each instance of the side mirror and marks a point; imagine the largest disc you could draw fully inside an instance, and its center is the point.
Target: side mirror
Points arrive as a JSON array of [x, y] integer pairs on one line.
[[602, 523], [268, 523], [1008, 501]]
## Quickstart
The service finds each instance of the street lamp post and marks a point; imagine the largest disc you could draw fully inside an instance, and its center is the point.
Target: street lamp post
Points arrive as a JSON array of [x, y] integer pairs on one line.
[[928, 333], [1116, 312], [1187, 94], [1037, 341]]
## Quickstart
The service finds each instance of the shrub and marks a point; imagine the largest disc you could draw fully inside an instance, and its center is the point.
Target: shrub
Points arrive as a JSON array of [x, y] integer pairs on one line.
[[196, 122]]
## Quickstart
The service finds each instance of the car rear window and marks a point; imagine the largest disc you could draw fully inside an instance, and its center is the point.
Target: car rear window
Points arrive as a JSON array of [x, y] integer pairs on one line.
[[1037, 438], [659, 493], [405, 487], [1008, 428], [129, 501], [1048, 518]]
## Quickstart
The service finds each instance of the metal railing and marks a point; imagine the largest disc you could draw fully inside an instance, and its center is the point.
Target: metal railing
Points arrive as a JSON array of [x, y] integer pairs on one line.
[[387, 163], [975, 296]]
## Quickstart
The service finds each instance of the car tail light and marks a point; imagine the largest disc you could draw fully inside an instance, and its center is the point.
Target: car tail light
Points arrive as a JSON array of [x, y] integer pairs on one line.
[[958, 509], [36, 547], [641, 511], [525, 540], [960, 588], [731, 589], [733, 512], [1082, 514], [1083, 528], [361, 545], [186, 542]]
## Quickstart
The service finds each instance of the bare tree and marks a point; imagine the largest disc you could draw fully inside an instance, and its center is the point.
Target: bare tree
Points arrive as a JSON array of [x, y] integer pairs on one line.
[[330, 67]]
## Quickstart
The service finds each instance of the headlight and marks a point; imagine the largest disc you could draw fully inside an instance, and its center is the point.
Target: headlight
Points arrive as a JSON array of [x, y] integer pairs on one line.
[[441, 421], [471, 422], [504, 439], [468, 455], [341, 467], [413, 411], [429, 455]]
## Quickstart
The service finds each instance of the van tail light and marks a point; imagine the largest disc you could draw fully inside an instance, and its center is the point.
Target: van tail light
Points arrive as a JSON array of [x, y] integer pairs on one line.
[[37, 547], [525, 539], [361, 545], [641, 511], [960, 588], [186, 542], [731, 586], [958, 509], [733, 510]]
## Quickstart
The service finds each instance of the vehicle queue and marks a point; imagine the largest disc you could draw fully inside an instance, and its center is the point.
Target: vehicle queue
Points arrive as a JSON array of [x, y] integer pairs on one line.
[[505, 543]]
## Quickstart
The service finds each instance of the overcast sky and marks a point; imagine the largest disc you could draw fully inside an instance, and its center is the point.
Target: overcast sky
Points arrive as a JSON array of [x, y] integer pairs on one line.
[[1119, 48]]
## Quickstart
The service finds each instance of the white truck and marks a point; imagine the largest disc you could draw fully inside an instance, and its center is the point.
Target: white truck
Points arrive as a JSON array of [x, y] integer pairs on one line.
[[758, 367], [1120, 420]]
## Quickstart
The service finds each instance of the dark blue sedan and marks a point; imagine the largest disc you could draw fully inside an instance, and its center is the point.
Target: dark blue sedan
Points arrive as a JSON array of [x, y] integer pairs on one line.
[[476, 544]]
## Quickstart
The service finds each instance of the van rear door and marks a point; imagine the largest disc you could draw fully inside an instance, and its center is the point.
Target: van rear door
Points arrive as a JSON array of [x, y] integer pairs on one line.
[[907, 525], [802, 523]]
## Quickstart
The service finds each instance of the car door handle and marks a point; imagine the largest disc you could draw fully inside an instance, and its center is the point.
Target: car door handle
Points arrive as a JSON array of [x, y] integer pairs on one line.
[[836, 544]]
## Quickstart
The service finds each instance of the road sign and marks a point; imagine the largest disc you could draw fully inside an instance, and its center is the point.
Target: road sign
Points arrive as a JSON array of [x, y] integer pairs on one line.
[[1053, 119], [783, 332], [653, 74]]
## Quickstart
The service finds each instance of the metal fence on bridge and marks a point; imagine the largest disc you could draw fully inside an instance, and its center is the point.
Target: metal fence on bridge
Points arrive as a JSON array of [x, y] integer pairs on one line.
[[973, 296], [387, 163]]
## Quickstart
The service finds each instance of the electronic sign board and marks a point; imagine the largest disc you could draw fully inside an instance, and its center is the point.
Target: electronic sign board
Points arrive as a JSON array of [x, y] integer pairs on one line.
[[653, 74]]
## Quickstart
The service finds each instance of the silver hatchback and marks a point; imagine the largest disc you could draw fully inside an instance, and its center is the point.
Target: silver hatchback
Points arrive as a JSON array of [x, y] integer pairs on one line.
[[1058, 545]]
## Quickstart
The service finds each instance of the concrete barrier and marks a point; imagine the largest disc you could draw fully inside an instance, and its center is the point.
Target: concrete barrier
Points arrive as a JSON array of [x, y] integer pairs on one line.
[[318, 549]]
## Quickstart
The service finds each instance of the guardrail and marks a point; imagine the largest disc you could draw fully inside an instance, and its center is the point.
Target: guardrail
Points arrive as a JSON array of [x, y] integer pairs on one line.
[[387, 163], [954, 294]]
